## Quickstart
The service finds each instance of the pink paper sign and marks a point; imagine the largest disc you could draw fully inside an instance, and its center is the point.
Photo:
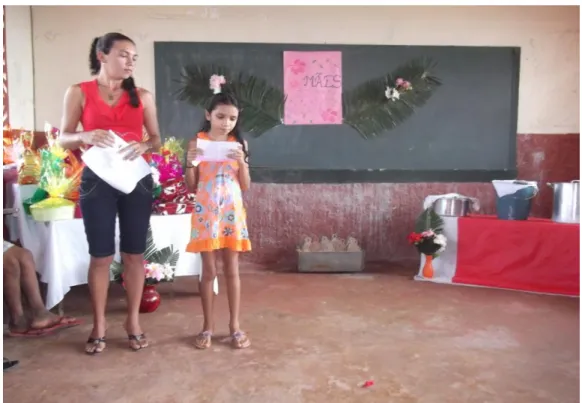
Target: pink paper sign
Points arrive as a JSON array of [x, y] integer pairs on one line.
[[313, 86]]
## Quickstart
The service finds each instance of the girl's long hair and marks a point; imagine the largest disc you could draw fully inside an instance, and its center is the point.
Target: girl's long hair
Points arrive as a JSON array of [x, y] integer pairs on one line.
[[226, 98]]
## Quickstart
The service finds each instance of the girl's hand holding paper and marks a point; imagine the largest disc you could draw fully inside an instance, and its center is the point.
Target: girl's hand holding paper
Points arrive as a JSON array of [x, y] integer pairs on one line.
[[193, 154], [238, 155]]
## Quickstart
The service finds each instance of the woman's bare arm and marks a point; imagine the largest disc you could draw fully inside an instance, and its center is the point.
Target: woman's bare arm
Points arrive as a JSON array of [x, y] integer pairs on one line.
[[150, 119], [72, 109]]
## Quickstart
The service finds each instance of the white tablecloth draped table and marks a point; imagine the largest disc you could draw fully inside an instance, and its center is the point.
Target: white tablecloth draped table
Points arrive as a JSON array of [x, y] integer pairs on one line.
[[61, 251]]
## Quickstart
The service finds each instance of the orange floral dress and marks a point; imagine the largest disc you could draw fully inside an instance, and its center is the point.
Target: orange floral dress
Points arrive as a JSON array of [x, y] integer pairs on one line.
[[219, 219]]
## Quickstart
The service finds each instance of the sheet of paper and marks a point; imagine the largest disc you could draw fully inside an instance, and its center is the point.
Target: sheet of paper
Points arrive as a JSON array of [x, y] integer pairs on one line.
[[215, 150], [312, 82], [109, 165]]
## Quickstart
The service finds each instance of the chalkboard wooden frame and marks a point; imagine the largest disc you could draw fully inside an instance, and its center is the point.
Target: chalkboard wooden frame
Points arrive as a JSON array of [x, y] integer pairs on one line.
[[169, 56]]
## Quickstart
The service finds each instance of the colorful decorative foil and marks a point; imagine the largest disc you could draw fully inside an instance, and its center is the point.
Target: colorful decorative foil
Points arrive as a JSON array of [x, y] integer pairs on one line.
[[168, 166], [170, 193], [172, 146], [29, 170]]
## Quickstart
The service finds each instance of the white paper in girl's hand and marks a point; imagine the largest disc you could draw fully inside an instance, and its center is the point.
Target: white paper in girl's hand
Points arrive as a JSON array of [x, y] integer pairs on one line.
[[108, 162], [215, 150]]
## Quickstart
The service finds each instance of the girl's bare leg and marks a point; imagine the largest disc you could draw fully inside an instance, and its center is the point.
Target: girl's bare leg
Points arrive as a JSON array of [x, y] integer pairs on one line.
[[203, 340], [231, 272]]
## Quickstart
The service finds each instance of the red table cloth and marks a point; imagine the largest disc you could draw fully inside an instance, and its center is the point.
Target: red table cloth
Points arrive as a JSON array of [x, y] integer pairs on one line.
[[536, 255]]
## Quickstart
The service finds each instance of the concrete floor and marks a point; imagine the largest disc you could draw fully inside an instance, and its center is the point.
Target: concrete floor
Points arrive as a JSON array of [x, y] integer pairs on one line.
[[315, 339]]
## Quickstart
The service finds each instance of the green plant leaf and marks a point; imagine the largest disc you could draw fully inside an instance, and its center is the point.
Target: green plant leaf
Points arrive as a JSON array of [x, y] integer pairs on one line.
[[115, 271], [167, 255], [429, 219], [150, 245], [367, 109], [261, 104]]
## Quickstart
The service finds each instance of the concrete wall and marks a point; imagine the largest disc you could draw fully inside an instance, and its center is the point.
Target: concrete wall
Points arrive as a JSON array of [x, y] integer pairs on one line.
[[53, 42]]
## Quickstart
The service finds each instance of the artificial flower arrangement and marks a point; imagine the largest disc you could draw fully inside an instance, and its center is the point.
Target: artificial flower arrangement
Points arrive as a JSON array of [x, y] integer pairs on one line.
[[400, 85], [170, 193], [159, 264], [428, 242], [216, 82], [428, 238], [381, 104]]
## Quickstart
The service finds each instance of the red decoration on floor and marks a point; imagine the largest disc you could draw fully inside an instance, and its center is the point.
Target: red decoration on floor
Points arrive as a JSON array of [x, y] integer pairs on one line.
[[150, 300], [367, 384], [536, 255]]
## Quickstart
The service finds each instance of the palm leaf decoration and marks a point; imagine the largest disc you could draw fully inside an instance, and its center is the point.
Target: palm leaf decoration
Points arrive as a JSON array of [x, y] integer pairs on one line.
[[115, 271], [150, 245], [368, 110], [261, 103], [165, 255], [429, 219]]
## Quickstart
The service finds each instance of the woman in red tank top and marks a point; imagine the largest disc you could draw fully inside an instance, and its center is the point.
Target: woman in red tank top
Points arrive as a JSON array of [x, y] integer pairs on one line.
[[111, 102]]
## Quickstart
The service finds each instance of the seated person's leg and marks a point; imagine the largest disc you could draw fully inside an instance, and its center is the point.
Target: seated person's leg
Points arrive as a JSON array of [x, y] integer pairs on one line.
[[12, 294], [22, 275]]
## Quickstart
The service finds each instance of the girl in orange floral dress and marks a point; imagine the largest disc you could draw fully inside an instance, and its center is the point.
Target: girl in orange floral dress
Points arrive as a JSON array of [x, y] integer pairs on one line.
[[219, 225]]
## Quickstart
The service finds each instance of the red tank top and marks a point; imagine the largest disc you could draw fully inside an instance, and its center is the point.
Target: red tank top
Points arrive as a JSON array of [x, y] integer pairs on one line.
[[122, 118]]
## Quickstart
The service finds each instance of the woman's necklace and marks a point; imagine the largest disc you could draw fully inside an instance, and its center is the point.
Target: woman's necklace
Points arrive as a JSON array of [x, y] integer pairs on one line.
[[110, 94]]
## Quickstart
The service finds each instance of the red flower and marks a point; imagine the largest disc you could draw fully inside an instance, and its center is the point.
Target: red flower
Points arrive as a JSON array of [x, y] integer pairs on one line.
[[414, 238]]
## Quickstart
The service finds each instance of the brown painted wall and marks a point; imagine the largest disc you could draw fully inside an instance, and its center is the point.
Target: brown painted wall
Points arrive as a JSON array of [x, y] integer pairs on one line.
[[381, 215]]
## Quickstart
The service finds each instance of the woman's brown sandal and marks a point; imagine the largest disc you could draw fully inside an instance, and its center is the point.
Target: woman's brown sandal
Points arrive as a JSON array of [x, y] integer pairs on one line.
[[240, 340]]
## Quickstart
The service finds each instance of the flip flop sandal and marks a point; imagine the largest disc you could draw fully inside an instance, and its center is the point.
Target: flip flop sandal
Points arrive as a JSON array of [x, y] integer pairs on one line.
[[137, 338], [63, 322], [203, 340], [240, 340], [96, 341], [30, 333], [9, 364]]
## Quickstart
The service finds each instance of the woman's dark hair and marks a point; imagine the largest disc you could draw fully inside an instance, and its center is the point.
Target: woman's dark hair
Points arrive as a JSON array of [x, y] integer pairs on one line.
[[104, 44], [226, 98]]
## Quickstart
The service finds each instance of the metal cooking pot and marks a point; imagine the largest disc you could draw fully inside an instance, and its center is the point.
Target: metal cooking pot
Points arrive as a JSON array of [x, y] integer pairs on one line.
[[455, 206], [566, 207]]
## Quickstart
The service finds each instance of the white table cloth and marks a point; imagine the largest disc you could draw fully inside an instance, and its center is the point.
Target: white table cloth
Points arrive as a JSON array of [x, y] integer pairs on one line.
[[61, 251]]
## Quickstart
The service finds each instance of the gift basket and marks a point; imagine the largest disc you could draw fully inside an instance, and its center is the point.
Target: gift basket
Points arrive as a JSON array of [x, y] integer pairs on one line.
[[56, 206], [60, 176]]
